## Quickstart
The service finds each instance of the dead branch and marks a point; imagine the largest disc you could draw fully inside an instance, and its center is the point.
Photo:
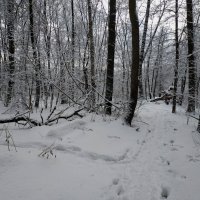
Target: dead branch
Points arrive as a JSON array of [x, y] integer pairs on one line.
[[41, 116], [165, 97], [51, 113], [20, 119], [193, 117], [33, 122], [65, 117]]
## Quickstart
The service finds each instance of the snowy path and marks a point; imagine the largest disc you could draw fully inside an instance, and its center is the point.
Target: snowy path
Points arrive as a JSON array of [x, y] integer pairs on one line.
[[141, 177], [159, 158], [152, 174]]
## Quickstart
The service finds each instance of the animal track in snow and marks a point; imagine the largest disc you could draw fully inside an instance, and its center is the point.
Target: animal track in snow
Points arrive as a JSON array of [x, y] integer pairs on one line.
[[174, 149], [113, 137], [120, 190], [196, 138], [192, 158], [63, 131], [91, 155], [176, 174], [165, 192], [164, 161], [115, 181]]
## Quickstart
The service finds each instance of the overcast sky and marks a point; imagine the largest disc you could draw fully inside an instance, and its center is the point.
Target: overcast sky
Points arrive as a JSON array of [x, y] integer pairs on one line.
[[105, 2]]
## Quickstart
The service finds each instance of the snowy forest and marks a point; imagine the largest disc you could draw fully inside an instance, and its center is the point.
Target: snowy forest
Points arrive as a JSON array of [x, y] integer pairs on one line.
[[99, 99]]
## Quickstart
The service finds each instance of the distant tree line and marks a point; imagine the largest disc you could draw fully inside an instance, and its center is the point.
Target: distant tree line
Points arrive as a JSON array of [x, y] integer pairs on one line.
[[81, 53]]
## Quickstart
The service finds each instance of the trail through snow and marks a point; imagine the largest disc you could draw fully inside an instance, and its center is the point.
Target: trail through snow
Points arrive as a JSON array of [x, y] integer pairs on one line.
[[157, 158]]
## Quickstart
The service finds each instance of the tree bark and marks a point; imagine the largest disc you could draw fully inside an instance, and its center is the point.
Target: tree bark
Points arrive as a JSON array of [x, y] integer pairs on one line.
[[191, 64], [92, 54], [135, 62], [47, 36], [11, 49], [35, 56], [110, 57], [198, 127], [73, 47], [143, 47], [177, 58]]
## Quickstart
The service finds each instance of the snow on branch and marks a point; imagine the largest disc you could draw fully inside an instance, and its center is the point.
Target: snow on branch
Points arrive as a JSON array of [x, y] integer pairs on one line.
[[33, 122]]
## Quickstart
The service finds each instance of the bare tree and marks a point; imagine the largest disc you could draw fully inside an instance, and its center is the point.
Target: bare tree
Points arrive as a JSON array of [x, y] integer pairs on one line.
[[35, 54], [191, 64], [111, 56], [73, 46], [92, 53], [11, 49], [135, 62], [177, 58], [143, 46], [47, 37]]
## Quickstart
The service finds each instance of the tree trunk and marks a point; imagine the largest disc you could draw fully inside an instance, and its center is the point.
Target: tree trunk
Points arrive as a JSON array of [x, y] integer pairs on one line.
[[143, 47], [35, 56], [11, 49], [177, 58], [191, 64], [110, 57], [47, 36], [92, 55], [73, 48], [85, 69], [135, 62], [198, 127], [147, 74], [183, 82]]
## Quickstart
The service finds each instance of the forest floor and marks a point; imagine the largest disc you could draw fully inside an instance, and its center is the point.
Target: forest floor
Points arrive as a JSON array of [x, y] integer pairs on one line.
[[99, 158]]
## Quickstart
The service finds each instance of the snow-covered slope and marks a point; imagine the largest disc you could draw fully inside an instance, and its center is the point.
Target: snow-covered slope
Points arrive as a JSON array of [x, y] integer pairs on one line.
[[157, 158]]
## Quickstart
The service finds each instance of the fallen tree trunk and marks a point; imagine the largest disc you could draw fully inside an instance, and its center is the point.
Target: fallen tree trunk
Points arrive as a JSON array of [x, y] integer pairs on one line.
[[166, 98], [33, 122], [20, 119]]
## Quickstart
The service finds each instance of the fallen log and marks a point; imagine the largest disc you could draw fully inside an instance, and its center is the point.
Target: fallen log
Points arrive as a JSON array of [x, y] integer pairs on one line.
[[33, 122], [20, 119], [165, 97]]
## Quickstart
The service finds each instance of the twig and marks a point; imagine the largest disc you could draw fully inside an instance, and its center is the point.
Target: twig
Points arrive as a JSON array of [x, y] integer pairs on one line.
[[51, 113], [46, 151], [65, 117], [8, 138], [193, 117], [41, 116]]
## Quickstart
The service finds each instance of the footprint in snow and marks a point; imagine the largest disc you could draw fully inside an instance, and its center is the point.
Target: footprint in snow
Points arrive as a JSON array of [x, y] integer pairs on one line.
[[63, 131], [193, 159], [165, 192], [175, 174], [164, 161], [115, 181], [113, 137], [174, 149], [120, 190], [172, 142]]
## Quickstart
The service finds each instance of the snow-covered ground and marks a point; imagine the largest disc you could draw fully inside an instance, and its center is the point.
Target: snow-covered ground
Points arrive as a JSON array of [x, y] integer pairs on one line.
[[101, 159]]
